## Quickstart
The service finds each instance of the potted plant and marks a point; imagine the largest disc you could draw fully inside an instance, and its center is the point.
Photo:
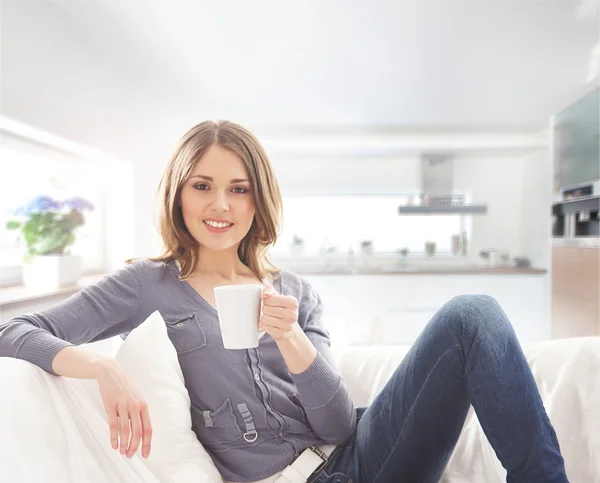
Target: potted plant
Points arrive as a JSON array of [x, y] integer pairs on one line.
[[47, 227], [297, 246], [402, 253], [430, 248], [366, 247]]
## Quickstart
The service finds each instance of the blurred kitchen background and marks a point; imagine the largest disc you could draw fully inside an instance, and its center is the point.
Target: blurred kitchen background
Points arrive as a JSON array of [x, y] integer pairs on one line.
[[425, 148]]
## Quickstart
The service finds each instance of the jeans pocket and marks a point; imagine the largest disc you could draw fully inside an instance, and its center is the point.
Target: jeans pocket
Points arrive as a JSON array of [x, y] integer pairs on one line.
[[185, 333], [332, 478], [340, 478], [216, 427]]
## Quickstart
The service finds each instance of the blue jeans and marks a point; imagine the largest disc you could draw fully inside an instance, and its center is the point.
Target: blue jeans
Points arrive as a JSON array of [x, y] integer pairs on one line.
[[467, 355]]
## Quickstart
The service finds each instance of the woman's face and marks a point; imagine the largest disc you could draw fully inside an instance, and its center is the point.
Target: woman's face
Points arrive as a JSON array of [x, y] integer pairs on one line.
[[216, 200]]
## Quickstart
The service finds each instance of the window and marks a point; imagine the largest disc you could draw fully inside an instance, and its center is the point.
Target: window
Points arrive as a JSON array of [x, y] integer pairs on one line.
[[29, 170], [343, 221]]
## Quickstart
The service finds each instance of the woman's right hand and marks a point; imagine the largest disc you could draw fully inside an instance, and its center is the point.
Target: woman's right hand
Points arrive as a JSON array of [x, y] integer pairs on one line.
[[128, 416]]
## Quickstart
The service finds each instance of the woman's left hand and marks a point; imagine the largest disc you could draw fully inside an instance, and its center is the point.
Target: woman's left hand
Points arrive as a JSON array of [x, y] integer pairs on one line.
[[279, 314]]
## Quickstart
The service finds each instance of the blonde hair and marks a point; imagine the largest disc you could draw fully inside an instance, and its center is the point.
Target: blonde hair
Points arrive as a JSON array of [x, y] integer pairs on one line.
[[178, 243]]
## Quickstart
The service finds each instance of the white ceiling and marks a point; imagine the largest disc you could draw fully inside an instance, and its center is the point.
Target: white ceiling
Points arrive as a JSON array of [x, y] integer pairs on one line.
[[435, 64]]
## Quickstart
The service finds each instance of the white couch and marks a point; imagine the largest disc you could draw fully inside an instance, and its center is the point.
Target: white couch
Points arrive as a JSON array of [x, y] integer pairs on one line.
[[59, 424], [567, 372]]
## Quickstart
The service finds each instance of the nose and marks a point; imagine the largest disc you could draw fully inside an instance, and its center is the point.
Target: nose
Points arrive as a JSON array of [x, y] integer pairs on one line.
[[219, 203]]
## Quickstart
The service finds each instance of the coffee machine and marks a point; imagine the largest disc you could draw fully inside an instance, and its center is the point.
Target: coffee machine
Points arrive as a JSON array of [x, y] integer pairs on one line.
[[576, 211]]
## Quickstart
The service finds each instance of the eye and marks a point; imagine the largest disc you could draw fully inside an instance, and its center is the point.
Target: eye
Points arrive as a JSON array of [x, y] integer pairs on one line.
[[240, 190], [201, 186]]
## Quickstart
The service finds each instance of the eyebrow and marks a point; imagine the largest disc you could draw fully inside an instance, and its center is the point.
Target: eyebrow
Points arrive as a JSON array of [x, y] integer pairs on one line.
[[208, 178]]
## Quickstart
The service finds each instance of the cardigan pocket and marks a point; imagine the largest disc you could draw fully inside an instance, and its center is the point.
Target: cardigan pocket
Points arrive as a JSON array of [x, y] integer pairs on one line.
[[216, 427], [186, 334]]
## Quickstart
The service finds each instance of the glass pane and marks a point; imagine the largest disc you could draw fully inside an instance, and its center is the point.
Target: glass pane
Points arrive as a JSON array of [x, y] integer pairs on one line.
[[31, 175], [343, 221], [577, 143]]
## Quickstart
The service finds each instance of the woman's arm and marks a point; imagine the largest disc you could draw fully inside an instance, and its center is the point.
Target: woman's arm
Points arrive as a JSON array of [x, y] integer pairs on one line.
[[99, 311], [298, 329], [128, 416], [80, 363], [297, 350], [49, 338]]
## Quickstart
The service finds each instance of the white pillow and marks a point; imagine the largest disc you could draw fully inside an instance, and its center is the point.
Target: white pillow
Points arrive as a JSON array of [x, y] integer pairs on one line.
[[150, 360]]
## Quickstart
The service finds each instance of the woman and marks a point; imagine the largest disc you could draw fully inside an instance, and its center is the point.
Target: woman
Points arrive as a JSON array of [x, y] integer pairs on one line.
[[281, 412]]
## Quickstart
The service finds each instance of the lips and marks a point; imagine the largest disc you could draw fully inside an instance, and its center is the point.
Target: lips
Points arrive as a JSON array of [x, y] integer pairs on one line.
[[217, 225]]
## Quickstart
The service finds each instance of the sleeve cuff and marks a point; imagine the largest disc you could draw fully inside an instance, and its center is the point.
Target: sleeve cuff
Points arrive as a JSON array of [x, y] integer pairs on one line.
[[40, 348], [318, 384]]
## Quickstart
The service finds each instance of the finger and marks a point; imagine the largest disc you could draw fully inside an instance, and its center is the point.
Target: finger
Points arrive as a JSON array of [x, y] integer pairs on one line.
[[285, 301], [113, 427], [271, 322], [136, 431], [278, 333], [123, 429], [146, 431], [270, 325], [275, 312], [288, 315]]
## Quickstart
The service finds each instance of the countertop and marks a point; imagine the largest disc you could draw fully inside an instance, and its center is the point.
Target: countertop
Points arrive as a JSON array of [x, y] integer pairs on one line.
[[426, 270], [577, 242]]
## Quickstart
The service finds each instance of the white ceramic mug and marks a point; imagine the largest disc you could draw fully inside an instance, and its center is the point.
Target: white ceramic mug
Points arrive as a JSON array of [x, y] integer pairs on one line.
[[239, 308]]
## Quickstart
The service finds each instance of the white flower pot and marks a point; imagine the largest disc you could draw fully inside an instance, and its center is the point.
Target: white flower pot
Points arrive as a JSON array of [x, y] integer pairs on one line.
[[49, 272], [296, 250]]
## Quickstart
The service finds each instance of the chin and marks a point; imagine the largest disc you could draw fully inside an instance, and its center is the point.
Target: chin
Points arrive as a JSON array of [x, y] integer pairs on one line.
[[218, 246]]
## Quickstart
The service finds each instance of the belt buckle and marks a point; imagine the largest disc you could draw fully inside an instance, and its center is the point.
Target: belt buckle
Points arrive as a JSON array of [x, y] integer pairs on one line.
[[320, 454]]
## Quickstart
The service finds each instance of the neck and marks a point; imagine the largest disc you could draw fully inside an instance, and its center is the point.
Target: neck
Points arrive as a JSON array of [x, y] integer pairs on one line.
[[224, 264]]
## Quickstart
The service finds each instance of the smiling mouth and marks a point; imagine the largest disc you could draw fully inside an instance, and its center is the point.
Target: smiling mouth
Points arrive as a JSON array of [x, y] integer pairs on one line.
[[217, 224]]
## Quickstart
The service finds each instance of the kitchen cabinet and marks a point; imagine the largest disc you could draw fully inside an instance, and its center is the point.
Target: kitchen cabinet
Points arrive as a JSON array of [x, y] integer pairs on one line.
[[575, 291], [394, 309]]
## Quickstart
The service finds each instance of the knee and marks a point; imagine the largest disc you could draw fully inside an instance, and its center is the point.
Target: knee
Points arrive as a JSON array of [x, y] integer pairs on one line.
[[473, 302], [471, 312]]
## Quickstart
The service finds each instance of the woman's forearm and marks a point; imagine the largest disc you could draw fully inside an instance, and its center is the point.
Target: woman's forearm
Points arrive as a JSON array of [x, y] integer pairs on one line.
[[297, 350], [323, 394], [80, 363]]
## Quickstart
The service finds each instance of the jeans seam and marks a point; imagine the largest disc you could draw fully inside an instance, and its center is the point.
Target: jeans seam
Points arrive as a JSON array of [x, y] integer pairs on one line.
[[401, 433]]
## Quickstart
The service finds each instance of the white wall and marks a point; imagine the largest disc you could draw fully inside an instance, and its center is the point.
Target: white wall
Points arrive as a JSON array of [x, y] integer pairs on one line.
[[536, 233], [347, 175], [496, 181]]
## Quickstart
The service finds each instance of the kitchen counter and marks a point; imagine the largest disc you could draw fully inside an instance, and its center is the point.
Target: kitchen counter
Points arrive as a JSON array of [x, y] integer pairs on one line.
[[577, 242], [426, 270]]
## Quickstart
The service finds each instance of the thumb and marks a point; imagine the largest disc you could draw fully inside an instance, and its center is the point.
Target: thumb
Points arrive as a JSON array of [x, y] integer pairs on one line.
[[268, 290]]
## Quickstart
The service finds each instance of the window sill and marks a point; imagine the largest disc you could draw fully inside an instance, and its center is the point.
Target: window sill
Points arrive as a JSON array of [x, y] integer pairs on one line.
[[17, 294]]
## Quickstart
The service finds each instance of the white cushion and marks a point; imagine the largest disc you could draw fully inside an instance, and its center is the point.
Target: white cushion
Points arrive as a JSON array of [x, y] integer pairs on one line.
[[150, 360], [567, 373], [54, 429]]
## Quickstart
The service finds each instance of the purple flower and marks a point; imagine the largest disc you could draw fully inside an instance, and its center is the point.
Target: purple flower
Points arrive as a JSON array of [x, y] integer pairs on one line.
[[39, 204], [78, 203]]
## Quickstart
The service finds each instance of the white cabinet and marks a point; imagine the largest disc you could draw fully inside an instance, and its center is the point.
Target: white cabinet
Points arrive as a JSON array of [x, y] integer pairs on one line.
[[399, 306]]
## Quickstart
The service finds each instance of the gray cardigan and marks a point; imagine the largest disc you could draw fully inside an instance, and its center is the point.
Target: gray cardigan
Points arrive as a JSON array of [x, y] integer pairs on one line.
[[250, 413]]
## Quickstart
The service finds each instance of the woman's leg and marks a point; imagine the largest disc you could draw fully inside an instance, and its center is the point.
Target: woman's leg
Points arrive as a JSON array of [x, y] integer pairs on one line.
[[467, 354]]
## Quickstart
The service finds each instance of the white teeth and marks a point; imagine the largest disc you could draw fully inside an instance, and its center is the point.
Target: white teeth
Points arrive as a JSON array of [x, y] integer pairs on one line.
[[215, 224]]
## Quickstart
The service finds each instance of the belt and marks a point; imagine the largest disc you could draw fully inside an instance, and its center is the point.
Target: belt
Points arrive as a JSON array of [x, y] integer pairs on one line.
[[310, 461]]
